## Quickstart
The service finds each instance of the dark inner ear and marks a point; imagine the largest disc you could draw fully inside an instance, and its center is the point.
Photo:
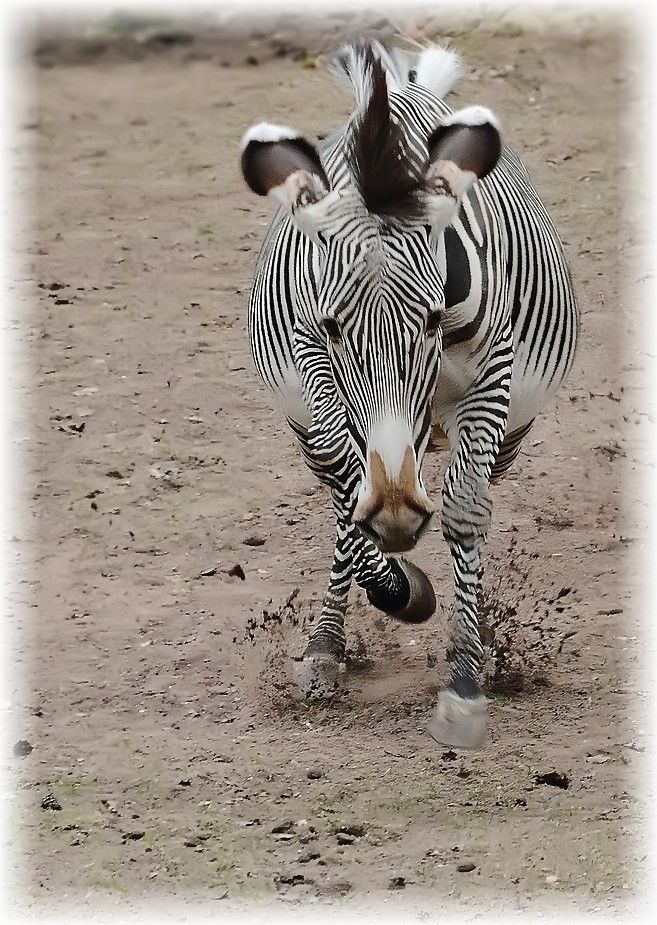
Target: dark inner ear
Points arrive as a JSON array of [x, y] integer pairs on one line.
[[266, 164], [472, 147]]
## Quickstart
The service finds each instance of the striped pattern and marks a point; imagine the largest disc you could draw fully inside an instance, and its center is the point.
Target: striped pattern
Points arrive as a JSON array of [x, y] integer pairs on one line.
[[506, 341]]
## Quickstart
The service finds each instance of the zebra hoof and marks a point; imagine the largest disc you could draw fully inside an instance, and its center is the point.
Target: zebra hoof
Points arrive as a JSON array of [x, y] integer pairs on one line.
[[422, 599], [459, 721], [318, 671]]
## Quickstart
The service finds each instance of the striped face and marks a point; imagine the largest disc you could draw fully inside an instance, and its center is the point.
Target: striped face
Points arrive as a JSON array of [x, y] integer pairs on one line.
[[379, 307], [379, 287]]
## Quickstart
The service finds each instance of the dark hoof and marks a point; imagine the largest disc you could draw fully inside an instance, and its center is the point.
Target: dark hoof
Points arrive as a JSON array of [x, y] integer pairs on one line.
[[422, 599]]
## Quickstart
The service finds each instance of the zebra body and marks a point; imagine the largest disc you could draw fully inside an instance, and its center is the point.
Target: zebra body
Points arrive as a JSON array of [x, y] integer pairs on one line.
[[441, 317]]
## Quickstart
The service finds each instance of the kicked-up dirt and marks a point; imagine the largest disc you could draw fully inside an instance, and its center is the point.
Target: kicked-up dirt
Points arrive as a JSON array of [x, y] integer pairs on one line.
[[174, 547]]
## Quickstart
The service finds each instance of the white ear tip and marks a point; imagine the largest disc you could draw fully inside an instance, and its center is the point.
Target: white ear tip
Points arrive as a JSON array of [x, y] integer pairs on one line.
[[438, 69], [473, 115], [267, 131]]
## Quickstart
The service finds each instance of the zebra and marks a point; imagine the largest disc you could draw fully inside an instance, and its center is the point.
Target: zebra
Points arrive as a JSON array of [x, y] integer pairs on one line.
[[411, 295]]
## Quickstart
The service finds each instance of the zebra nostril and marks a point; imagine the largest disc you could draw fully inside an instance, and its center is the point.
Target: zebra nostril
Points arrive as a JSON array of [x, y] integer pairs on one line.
[[422, 529], [368, 531]]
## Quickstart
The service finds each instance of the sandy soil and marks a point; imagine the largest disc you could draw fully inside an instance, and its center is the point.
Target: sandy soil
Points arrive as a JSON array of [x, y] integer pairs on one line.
[[157, 694]]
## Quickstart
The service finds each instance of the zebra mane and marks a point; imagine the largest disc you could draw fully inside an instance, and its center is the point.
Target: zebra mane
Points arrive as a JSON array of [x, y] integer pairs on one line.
[[433, 67], [390, 178]]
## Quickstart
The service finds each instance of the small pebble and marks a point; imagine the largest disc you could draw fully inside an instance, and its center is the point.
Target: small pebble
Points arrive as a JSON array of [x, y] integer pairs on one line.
[[22, 748], [466, 867], [308, 856]]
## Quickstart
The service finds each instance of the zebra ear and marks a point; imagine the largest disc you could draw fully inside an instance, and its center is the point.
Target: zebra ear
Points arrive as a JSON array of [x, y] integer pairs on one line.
[[465, 148], [277, 161]]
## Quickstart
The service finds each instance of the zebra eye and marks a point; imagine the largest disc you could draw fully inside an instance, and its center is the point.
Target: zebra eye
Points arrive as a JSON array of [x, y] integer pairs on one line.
[[332, 329], [433, 321]]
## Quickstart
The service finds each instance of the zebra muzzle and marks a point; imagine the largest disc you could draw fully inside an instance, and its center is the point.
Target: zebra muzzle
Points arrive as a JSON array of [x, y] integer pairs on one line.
[[393, 510]]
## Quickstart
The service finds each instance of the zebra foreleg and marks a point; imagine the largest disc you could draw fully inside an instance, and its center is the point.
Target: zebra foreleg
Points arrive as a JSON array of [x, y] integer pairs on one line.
[[460, 718], [395, 586]]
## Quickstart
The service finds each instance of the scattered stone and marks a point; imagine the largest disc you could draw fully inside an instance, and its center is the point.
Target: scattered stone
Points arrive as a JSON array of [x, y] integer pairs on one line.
[[22, 748], [337, 888], [449, 756], [193, 842], [253, 541], [634, 747], [289, 880], [208, 572], [345, 839], [463, 773], [352, 828], [132, 836], [185, 782], [110, 806], [162, 37], [314, 774], [520, 801], [553, 779], [283, 827], [308, 856], [50, 802], [397, 883], [114, 474], [237, 572], [466, 867]]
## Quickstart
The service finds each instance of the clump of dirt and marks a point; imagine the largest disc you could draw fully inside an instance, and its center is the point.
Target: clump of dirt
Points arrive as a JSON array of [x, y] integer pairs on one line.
[[268, 638], [517, 620], [287, 614]]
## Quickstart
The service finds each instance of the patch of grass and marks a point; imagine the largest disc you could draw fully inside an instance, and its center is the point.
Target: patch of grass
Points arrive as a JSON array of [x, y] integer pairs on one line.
[[502, 699], [205, 229]]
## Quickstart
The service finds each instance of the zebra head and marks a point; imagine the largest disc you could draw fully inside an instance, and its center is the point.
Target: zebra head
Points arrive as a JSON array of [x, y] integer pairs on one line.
[[376, 206]]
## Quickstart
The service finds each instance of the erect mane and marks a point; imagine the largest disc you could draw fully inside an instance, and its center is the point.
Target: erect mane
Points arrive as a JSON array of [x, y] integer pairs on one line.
[[390, 182]]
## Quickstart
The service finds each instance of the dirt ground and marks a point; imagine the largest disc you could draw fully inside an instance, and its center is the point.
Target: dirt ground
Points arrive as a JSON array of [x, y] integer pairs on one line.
[[179, 545]]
